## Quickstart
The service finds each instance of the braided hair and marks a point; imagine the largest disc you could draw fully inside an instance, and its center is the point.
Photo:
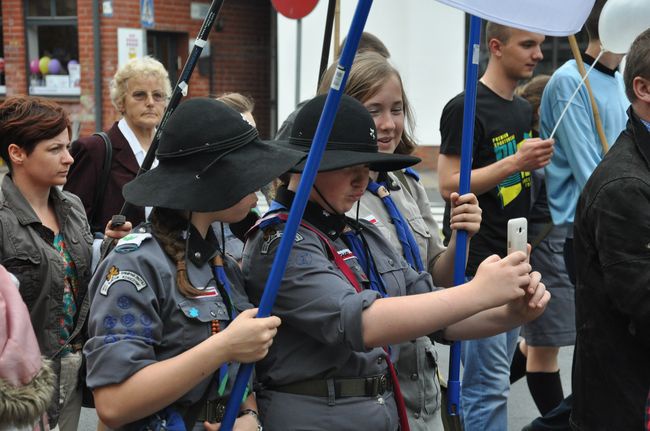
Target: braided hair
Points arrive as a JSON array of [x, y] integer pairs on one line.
[[168, 226]]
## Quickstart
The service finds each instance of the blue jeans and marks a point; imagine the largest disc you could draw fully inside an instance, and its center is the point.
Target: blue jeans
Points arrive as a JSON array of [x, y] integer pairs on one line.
[[486, 381]]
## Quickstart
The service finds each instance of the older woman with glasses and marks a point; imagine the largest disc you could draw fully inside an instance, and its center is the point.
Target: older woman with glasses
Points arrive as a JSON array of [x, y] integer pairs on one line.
[[139, 91]]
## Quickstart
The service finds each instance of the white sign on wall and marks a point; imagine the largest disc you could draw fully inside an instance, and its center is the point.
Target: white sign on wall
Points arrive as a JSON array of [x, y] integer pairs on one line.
[[130, 44]]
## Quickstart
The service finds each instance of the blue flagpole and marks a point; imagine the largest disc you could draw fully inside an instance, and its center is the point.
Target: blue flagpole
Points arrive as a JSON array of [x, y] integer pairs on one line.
[[300, 201], [469, 109]]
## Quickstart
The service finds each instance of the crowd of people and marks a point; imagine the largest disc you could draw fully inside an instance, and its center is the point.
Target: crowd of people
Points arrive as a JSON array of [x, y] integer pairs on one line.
[[152, 334]]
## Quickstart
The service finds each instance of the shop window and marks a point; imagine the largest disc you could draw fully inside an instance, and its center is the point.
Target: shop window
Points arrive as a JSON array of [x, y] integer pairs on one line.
[[52, 47]]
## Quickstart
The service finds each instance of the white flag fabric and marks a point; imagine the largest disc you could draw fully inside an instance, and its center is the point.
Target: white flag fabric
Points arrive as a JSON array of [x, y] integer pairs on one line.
[[548, 17]]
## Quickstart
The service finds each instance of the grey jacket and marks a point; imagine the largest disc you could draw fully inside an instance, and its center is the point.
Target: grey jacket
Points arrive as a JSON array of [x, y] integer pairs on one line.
[[417, 364], [321, 332], [26, 250]]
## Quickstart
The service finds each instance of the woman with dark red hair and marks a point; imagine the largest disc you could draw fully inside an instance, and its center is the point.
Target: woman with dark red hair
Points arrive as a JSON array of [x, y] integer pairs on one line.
[[45, 240]]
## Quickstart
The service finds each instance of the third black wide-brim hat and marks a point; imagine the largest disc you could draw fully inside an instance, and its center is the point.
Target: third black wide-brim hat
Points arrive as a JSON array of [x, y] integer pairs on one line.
[[353, 140], [209, 158]]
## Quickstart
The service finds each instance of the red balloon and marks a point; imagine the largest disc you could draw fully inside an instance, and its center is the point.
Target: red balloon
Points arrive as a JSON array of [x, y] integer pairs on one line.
[[294, 9]]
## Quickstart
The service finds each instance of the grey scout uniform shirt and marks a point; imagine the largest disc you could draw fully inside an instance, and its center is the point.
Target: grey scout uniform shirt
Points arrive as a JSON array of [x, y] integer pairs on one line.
[[138, 316], [321, 332], [417, 364]]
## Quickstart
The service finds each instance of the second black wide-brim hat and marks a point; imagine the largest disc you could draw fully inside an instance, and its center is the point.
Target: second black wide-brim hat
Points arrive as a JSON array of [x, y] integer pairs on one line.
[[209, 158], [352, 141]]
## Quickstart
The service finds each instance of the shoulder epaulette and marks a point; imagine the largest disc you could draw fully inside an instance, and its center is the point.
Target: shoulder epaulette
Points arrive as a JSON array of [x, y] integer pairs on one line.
[[131, 242], [411, 173]]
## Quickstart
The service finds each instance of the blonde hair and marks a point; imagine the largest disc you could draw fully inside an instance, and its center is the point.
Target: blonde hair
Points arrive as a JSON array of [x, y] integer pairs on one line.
[[369, 72], [138, 67], [238, 102]]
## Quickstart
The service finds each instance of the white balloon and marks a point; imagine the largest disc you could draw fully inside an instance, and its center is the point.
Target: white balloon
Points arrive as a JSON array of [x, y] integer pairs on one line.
[[621, 21]]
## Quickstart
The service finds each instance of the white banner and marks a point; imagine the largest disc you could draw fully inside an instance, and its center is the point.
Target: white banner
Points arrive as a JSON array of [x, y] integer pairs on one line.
[[549, 17]]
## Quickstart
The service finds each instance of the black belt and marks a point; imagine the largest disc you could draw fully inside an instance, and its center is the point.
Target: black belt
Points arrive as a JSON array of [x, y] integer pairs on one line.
[[342, 387], [212, 411]]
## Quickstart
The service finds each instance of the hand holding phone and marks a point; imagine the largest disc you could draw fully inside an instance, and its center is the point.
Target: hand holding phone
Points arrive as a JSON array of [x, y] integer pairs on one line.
[[518, 235]]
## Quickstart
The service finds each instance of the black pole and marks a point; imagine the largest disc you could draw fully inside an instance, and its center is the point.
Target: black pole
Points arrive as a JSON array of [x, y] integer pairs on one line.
[[97, 55], [327, 39], [179, 91]]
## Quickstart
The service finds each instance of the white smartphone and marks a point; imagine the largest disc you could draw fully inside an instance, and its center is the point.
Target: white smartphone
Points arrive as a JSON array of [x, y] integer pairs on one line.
[[518, 235]]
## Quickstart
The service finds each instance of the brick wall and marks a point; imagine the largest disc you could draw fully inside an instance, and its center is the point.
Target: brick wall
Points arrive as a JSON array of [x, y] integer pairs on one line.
[[13, 26], [240, 58], [429, 156]]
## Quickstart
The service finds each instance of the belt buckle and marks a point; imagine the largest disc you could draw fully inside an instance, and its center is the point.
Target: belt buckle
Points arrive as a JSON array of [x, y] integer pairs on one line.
[[383, 384], [215, 411], [372, 386]]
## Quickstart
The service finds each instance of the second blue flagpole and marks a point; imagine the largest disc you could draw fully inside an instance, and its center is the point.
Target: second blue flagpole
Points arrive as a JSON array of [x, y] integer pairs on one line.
[[467, 144], [302, 194]]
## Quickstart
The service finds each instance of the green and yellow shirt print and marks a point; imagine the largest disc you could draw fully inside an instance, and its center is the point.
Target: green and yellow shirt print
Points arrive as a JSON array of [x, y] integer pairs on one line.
[[506, 145]]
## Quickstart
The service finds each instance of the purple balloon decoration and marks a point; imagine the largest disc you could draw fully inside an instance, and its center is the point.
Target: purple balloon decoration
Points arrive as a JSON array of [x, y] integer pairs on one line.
[[34, 66], [74, 62], [54, 66]]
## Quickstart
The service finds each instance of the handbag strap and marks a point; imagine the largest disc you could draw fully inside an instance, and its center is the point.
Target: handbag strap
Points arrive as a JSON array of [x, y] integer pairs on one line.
[[103, 181]]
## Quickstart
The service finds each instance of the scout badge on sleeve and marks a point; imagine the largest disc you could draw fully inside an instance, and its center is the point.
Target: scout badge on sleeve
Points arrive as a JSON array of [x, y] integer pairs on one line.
[[114, 275]]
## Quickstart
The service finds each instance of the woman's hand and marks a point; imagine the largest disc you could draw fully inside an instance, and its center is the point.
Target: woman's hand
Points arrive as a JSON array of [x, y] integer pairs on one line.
[[465, 213], [500, 281], [534, 302], [119, 232], [248, 338]]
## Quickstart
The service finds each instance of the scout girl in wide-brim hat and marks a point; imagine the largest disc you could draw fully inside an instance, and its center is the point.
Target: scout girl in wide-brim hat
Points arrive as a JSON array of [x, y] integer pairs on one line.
[[209, 158], [167, 328], [343, 293], [353, 140]]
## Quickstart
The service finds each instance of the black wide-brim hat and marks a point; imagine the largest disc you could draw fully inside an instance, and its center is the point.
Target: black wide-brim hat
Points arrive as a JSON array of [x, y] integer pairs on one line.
[[209, 158], [353, 140]]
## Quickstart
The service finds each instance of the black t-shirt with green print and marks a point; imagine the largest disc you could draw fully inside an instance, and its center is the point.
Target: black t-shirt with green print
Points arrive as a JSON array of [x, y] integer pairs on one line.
[[501, 125]]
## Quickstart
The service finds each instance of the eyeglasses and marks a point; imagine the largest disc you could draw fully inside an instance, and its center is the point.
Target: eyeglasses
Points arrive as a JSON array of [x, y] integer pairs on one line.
[[142, 96]]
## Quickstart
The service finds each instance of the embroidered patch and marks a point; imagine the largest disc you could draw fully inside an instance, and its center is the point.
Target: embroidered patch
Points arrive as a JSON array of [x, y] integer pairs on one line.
[[128, 320], [304, 259], [114, 275], [345, 253], [208, 292], [131, 242], [124, 302], [147, 333], [111, 338], [271, 235], [371, 218], [110, 322], [193, 312], [145, 319]]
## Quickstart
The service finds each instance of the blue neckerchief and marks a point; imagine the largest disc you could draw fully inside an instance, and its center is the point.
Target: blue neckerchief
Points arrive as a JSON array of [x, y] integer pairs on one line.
[[358, 248], [222, 279], [404, 234], [275, 206]]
